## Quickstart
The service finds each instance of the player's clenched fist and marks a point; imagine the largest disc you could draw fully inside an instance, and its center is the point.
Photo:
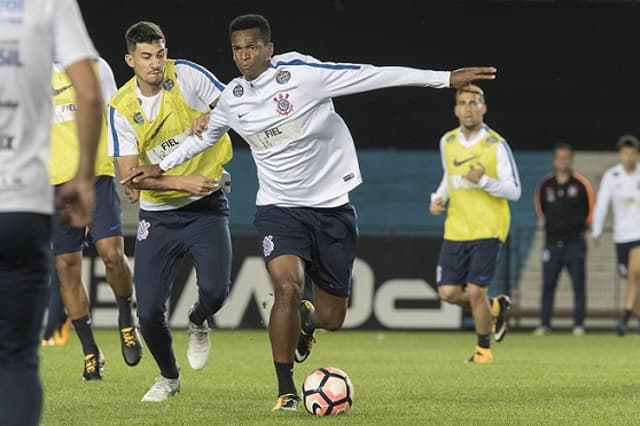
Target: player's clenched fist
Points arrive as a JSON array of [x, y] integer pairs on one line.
[[437, 206]]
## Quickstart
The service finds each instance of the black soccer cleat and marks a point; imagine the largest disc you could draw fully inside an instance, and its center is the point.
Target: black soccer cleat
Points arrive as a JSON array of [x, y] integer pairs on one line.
[[621, 329], [500, 305], [307, 331], [93, 366], [131, 346]]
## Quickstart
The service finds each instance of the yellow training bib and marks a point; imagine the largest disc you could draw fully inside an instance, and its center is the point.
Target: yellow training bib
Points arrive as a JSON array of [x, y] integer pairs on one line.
[[473, 214], [63, 160], [162, 135]]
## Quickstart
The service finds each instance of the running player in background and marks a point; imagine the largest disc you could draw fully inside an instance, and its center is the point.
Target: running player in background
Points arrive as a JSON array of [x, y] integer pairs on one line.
[[33, 34], [480, 177], [105, 229], [307, 165], [186, 212], [620, 187]]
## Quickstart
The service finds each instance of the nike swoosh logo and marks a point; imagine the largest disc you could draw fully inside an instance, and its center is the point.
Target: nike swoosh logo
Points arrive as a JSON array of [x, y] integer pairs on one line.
[[56, 92], [160, 126], [242, 115], [457, 163], [114, 227]]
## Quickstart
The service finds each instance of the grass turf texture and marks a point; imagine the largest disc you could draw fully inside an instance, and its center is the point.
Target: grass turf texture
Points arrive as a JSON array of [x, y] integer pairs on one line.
[[399, 379]]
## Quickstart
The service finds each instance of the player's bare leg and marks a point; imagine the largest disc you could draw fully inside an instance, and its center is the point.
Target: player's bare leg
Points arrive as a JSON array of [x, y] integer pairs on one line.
[[327, 312], [74, 296], [455, 294], [481, 312], [632, 295], [287, 275], [119, 277], [473, 297]]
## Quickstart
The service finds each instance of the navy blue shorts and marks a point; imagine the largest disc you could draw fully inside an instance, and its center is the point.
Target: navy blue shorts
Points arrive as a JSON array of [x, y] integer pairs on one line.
[[324, 238], [463, 262], [107, 221], [622, 251]]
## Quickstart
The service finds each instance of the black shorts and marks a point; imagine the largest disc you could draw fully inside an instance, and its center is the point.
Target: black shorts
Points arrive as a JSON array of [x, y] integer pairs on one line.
[[107, 221], [324, 238], [463, 262], [622, 252]]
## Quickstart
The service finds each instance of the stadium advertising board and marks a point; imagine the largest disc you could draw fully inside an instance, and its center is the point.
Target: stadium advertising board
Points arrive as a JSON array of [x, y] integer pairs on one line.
[[394, 288]]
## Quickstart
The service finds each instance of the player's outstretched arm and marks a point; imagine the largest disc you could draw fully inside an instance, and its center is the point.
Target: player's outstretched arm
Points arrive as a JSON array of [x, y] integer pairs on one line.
[[464, 76]]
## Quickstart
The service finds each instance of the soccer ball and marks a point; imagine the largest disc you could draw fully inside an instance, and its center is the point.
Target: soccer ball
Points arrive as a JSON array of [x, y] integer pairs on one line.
[[327, 391]]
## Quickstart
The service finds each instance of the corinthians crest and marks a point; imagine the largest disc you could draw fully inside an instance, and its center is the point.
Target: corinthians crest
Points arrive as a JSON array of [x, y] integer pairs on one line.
[[168, 84], [283, 105]]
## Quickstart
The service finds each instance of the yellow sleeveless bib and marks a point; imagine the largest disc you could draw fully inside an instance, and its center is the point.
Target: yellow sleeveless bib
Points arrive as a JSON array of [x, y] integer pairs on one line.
[[162, 135], [63, 159], [473, 214]]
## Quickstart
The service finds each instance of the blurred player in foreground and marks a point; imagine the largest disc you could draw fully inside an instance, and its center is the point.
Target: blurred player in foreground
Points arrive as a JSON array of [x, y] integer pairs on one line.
[[620, 187], [480, 177], [307, 165], [105, 229], [183, 212], [34, 34]]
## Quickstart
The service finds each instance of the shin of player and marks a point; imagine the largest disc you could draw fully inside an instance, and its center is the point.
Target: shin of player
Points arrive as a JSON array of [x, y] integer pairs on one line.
[[620, 187], [480, 177]]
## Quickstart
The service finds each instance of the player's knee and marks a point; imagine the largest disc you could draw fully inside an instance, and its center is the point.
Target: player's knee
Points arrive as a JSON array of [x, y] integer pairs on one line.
[[477, 292], [288, 292], [113, 259], [449, 294], [67, 261], [214, 297], [332, 321]]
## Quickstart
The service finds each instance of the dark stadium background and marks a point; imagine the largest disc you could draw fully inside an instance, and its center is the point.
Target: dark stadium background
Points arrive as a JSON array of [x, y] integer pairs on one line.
[[567, 69]]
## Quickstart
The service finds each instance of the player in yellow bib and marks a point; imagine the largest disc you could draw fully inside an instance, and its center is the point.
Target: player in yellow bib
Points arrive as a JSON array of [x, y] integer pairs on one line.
[[480, 177], [105, 229], [182, 212]]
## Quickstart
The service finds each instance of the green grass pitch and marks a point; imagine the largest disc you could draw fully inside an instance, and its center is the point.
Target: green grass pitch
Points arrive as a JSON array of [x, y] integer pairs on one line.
[[399, 379]]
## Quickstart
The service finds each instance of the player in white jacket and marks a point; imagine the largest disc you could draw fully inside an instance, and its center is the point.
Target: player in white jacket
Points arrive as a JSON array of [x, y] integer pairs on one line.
[[307, 165], [620, 187], [34, 34]]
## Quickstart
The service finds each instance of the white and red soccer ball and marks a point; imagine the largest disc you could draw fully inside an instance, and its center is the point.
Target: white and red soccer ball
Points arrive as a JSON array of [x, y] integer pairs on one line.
[[327, 391]]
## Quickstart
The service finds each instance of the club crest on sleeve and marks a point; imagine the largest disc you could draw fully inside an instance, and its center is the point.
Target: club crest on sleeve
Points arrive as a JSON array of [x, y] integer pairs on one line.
[[550, 194], [267, 245], [238, 91], [143, 230], [283, 105], [138, 118], [283, 76], [168, 84]]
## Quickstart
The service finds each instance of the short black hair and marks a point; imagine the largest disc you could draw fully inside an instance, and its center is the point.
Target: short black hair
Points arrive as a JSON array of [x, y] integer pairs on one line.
[[628, 141], [562, 146], [142, 32], [246, 22]]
